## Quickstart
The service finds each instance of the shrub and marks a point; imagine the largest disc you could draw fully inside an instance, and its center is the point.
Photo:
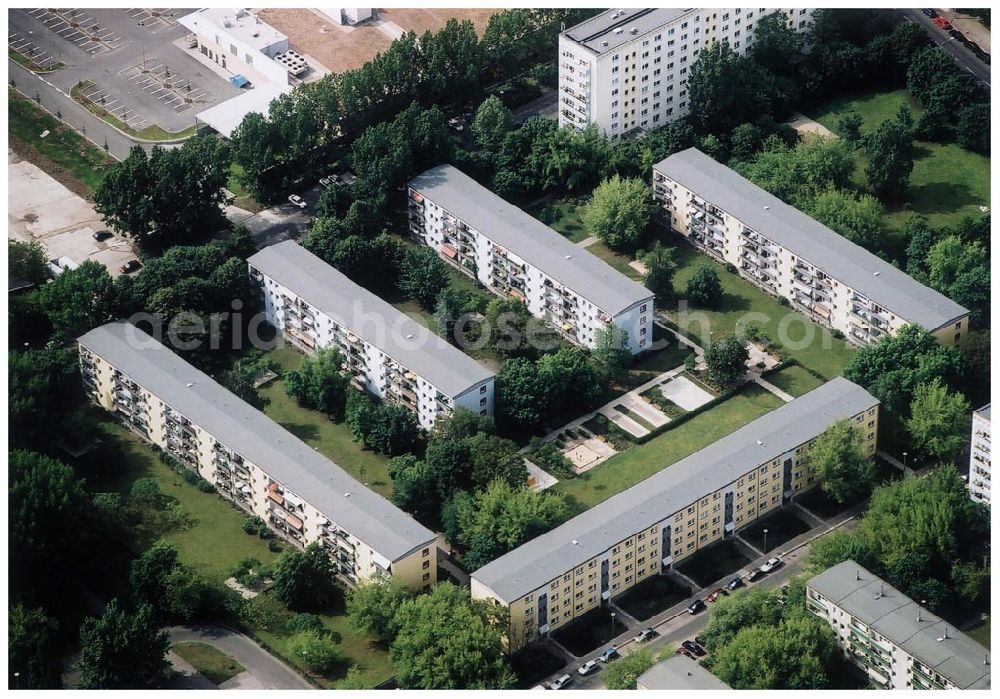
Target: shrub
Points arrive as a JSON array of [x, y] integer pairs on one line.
[[263, 611], [273, 546], [205, 486], [319, 653], [305, 622], [253, 525]]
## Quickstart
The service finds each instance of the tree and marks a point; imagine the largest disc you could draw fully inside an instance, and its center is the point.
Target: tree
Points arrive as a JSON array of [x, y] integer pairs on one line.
[[569, 381], [797, 174], [122, 650], [422, 276], [31, 649], [725, 89], [973, 128], [491, 522], [939, 419], [758, 606], [240, 379], [27, 262], [492, 123], [448, 641], [623, 673], [839, 459], [372, 606], [849, 127], [319, 653], [149, 572], [660, 269], [727, 362], [385, 428], [744, 141], [39, 382], [704, 288], [775, 43], [612, 355], [520, 393], [462, 423], [303, 580], [494, 458], [890, 156], [320, 384], [859, 219], [79, 300], [415, 488], [619, 212], [949, 257]]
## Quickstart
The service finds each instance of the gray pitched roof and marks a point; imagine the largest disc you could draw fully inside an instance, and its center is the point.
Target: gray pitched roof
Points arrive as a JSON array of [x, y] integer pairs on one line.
[[530, 239], [680, 672], [378, 323], [600, 28], [867, 597], [984, 412], [282, 455], [807, 238], [534, 564]]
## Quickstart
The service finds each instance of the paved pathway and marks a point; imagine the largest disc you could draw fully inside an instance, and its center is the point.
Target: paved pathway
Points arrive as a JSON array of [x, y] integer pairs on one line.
[[768, 386], [267, 672], [587, 242]]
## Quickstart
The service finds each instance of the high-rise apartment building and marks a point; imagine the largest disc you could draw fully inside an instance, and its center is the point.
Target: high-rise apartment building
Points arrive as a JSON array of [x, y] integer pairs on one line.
[[894, 640], [514, 255], [254, 462], [979, 458], [387, 352], [627, 70], [644, 530], [791, 255]]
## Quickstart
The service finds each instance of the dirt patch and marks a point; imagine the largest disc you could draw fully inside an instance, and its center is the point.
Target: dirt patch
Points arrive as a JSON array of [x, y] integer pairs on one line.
[[337, 48], [421, 20], [25, 151]]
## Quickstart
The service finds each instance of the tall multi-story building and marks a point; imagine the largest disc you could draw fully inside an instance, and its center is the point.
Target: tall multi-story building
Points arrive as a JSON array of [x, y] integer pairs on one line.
[[517, 256], [644, 530], [627, 70], [254, 462], [387, 352], [979, 459], [894, 640], [791, 255]]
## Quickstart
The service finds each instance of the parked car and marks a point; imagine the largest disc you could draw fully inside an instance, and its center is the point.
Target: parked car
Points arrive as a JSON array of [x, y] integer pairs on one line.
[[734, 583], [326, 182], [942, 23], [644, 636], [101, 235], [297, 200], [685, 651], [456, 124], [696, 606], [715, 594], [693, 647], [588, 667], [754, 575], [560, 682], [770, 564], [929, 12], [130, 266], [608, 655]]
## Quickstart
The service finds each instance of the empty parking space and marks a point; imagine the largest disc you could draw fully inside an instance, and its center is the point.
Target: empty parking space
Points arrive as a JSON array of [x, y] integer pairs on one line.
[[95, 94], [159, 82], [154, 19], [39, 57], [80, 28]]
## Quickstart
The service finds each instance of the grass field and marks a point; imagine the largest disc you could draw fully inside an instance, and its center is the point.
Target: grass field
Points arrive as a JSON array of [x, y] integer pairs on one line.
[[948, 182], [794, 380], [82, 160], [209, 661], [642, 461], [315, 429], [567, 219], [981, 633]]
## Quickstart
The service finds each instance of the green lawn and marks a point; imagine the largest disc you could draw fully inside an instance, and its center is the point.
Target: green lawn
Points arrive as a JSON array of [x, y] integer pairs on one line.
[[824, 354], [981, 633], [794, 380], [567, 219], [84, 162], [209, 661], [948, 182], [616, 260], [642, 461], [315, 429]]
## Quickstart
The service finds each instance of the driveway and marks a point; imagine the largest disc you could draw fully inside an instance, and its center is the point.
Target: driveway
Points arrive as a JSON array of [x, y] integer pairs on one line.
[[263, 670]]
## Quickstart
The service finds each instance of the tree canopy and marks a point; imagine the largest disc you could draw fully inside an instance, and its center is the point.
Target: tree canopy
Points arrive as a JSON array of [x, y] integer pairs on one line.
[[619, 211], [122, 650], [303, 580], [939, 419], [841, 462], [320, 384], [726, 361]]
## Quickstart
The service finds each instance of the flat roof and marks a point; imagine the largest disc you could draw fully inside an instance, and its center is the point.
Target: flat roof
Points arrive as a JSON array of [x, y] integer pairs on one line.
[[931, 640], [226, 116], [594, 32], [679, 672], [378, 323], [238, 22], [807, 238], [283, 456], [657, 498], [530, 239]]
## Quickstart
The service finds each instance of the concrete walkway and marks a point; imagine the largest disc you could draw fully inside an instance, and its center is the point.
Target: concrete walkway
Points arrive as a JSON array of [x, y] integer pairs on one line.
[[770, 387], [587, 242]]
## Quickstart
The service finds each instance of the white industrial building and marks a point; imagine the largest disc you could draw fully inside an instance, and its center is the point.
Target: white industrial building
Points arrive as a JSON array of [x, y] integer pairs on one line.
[[348, 16], [514, 255], [627, 70], [391, 355], [240, 42], [979, 459]]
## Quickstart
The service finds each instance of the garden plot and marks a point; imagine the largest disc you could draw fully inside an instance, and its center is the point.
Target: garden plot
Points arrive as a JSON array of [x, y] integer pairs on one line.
[[78, 27]]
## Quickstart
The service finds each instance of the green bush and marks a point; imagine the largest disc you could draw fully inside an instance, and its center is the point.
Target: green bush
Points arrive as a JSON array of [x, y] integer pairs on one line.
[[305, 622]]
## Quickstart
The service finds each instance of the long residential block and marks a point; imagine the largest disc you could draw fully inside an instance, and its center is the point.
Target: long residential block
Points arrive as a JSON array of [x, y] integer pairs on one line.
[[894, 640], [791, 255], [257, 464], [515, 255], [643, 531], [626, 70], [980, 469], [389, 353]]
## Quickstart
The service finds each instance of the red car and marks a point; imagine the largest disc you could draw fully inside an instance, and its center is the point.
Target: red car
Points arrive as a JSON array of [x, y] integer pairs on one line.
[[941, 23], [685, 651], [715, 594]]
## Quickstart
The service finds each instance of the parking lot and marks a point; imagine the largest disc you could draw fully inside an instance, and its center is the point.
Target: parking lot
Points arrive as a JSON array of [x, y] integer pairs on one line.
[[155, 77], [39, 57], [81, 28], [154, 19]]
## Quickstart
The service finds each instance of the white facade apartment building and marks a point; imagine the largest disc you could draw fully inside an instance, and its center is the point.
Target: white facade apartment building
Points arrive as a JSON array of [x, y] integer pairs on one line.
[[252, 461], [791, 255], [979, 460], [626, 70], [895, 641], [517, 256], [389, 354], [239, 41]]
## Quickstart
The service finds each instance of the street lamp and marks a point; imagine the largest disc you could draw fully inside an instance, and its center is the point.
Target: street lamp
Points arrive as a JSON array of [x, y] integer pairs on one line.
[[765, 539], [17, 680], [904, 463], [612, 625]]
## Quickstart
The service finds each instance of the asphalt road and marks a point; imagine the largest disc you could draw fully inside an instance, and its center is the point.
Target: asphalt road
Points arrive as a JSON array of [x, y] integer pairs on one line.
[[968, 60]]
